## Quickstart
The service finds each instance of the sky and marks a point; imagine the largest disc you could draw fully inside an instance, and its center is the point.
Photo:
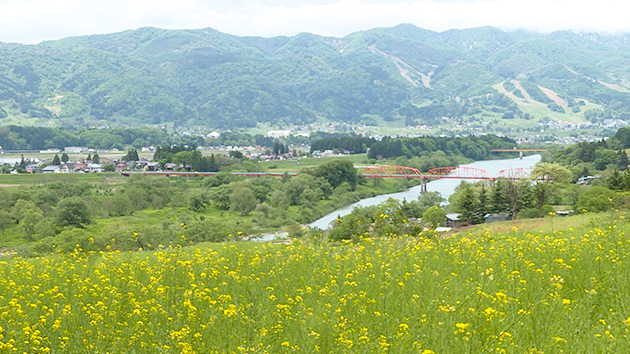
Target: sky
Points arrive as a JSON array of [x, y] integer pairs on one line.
[[32, 21]]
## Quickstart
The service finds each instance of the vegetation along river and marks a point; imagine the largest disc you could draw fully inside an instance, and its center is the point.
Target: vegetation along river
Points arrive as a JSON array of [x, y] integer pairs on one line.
[[444, 186]]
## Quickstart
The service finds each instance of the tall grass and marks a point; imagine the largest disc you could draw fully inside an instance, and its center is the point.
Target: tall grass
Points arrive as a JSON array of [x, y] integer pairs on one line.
[[516, 291]]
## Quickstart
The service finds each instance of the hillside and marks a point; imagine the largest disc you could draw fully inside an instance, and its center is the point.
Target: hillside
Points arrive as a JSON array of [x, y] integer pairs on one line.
[[402, 74]]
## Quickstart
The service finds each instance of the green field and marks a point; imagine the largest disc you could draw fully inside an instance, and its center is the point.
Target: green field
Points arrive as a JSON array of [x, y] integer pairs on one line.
[[39, 178], [519, 290], [299, 164]]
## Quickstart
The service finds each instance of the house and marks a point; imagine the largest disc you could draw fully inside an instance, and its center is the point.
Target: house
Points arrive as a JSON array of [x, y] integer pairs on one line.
[[169, 166], [50, 169], [75, 149], [586, 179], [33, 168], [94, 168], [79, 167], [453, 220], [56, 169], [152, 166], [121, 166]]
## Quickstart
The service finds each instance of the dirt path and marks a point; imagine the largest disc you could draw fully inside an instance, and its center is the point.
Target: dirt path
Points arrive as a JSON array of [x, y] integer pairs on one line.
[[553, 96], [406, 70], [528, 98], [9, 185], [527, 101]]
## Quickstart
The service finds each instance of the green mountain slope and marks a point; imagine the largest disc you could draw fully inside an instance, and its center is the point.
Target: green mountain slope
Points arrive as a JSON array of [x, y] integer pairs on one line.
[[398, 74]]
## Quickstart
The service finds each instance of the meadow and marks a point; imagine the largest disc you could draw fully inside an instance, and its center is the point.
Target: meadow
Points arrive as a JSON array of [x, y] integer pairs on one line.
[[540, 287]]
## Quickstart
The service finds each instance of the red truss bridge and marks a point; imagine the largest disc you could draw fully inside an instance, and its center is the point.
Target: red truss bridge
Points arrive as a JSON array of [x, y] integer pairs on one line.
[[452, 172]]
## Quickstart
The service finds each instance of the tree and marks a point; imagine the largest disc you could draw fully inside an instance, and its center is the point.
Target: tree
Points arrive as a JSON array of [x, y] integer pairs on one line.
[[296, 186], [89, 157], [198, 201], [622, 160], [242, 199], [264, 209], [29, 221], [21, 208], [279, 199], [434, 216], [615, 180], [337, 172], [220, 196], [499, 202], [5, 220], [515, 190], [96, 158], [65, 157], [72, 211], [548, 176], [482, 205], [121, 205], [466, 203], [132, 155], [56, 160], [596, 199]]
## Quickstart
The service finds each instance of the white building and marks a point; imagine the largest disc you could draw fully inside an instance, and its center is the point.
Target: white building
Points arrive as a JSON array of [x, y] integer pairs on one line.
[[278, 133], [75, 149], [214, 135], [94, 167]]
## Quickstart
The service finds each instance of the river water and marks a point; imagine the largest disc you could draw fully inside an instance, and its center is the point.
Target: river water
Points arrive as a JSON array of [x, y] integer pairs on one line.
[[446, 187]]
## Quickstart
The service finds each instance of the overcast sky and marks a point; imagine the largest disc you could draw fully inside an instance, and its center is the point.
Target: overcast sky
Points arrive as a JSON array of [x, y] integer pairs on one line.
[[31, 21]]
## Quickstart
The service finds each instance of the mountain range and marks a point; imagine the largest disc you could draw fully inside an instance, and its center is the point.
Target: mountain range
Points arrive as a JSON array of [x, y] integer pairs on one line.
[[401, 74]]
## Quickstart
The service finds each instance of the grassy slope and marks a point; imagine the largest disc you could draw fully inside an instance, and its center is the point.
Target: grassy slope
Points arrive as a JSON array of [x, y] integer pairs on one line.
[[510, 291]]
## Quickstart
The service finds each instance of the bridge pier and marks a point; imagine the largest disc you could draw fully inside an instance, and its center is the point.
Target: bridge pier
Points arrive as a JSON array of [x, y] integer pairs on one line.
[[520, 155], [423, 185]]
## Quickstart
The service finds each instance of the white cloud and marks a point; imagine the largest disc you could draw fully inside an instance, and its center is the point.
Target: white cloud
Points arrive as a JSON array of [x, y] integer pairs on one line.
[[30, 21]]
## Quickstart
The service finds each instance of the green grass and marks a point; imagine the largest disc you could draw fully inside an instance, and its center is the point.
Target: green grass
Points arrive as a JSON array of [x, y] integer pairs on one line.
[[40, 178], [297, 165], [523, 290]]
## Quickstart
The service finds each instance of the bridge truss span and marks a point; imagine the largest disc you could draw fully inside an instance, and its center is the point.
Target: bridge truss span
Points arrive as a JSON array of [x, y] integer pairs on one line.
[[458, 172], [388, 171], [515, 173], [451, 172]]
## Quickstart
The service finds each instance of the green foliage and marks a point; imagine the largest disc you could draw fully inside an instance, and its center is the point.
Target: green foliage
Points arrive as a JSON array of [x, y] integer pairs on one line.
[[597, 199], [5, 220], [550, 177], [72, 211], [56, 160], [204, 77], [198, 201], [337, 172], [242, 199], [473, 147], [434, 216]]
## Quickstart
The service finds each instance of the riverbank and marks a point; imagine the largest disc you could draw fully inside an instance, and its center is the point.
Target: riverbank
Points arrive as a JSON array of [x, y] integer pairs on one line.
[[445, 187]]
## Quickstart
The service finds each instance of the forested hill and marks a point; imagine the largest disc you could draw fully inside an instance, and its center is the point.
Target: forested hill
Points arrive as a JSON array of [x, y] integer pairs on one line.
[[403, 73]]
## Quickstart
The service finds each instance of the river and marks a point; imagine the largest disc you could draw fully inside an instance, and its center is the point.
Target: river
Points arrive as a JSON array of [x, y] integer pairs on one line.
[[446, 187]]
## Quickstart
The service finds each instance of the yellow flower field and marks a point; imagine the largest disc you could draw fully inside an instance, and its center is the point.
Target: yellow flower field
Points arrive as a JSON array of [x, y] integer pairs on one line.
[[511, 292]]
